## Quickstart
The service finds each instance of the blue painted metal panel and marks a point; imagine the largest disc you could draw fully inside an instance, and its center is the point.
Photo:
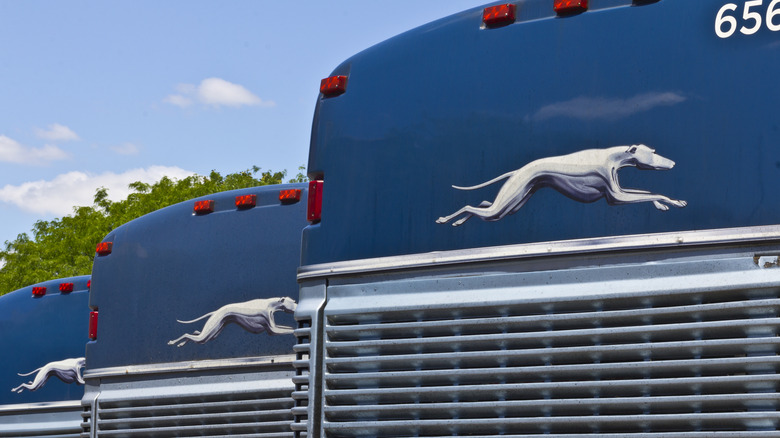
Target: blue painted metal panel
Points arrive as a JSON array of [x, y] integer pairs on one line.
[[453, 103], [173, 265], [35, 331]]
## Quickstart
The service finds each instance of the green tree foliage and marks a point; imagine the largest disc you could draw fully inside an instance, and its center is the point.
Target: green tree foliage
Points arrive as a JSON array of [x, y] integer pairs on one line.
[[65, 247]]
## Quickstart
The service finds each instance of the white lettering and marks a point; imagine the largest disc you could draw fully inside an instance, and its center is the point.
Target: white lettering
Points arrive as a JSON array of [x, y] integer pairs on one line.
[[726, 23]]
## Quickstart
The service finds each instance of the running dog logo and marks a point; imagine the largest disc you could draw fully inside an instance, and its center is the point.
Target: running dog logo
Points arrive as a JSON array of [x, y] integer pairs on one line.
[[67, 370], [255, 316], [584, 176]]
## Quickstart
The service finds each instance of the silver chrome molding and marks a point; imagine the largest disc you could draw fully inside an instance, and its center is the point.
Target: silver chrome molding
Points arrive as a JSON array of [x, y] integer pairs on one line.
[[680, 239], [60, 419], [28, 408], [200, 365]]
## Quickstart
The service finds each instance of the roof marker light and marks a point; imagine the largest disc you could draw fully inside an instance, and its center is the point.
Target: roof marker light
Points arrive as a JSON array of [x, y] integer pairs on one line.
[[104, 248], [314, 207], [245, 202], [66, 288], [568, 7], [333, 86], [501, 15], [93, 324], [39, 291], [289, 196], [203, 207]]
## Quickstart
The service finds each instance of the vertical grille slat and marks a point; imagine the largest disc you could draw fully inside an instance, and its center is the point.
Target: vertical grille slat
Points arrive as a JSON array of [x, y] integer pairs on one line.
[[301, 379], [689, 364], [86, 422]]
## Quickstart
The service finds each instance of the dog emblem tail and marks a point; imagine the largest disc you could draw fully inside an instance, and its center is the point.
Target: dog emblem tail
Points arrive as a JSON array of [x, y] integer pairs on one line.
[[486, 183], [196, 319], [30, 373]]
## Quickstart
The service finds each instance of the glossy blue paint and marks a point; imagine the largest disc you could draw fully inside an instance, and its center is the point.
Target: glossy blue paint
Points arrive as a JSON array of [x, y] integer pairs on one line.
[[35, 331], [174, 265], [453, 103]]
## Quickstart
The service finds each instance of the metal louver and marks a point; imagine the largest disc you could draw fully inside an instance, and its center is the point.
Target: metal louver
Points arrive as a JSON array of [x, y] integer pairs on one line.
[[651, 356]]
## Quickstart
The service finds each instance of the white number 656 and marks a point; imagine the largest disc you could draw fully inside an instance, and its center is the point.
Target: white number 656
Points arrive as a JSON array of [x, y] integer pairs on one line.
[[726, 25]]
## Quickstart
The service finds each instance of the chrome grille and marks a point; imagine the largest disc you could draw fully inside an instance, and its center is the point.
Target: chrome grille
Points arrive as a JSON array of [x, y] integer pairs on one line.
[[655, 363], [301, 379], [263, 414], [230, 404]]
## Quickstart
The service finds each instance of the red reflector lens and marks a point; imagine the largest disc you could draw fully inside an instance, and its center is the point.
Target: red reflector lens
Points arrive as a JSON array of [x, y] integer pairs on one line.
[[290, 196], [89, 284], [39, 291], [314, 208], [500, 15], [333, 86], [104, 248], [204, 207], [246, 201], [563, 7], [66, 288], [93, 322]]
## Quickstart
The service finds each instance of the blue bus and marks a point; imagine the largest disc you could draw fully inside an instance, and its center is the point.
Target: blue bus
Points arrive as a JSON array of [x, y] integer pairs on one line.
[[194, 307], [43, 332], [550, 218]]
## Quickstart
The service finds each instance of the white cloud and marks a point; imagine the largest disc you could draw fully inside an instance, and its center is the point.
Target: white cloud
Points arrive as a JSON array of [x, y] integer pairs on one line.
[[57, 132], [12, 151], [602, 108], [125, 149], [215, 92], [178, 100], [58, 196]]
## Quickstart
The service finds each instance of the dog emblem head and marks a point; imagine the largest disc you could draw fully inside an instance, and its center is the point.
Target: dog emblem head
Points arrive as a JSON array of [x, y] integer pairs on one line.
[[646, 158], [288, 305]]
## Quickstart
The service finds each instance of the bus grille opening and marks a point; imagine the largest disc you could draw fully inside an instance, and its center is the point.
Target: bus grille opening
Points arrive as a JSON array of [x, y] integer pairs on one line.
[[659, 364]]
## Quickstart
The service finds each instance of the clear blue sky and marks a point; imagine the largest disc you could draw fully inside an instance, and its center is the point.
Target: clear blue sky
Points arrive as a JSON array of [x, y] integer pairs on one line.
[[105, 93]]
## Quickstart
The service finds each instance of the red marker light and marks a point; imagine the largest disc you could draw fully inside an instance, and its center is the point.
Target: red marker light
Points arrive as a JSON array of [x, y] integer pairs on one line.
[[246, 202], [566, 7], [290, 196], [314, 207], [66, 288], [333, 86], [39, 291], [89, 284], [203, 207], [500, 15], [104, 248], [93, 324]]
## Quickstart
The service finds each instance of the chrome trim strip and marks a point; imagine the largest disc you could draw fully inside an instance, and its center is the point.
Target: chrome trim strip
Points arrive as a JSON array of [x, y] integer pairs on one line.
[[678, 239], [31, 408], [189, 366]]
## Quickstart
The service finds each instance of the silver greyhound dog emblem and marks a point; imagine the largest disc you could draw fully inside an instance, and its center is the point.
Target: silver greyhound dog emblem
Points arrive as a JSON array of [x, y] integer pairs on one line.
[[584, 176], [255, 316], [68, 370]]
